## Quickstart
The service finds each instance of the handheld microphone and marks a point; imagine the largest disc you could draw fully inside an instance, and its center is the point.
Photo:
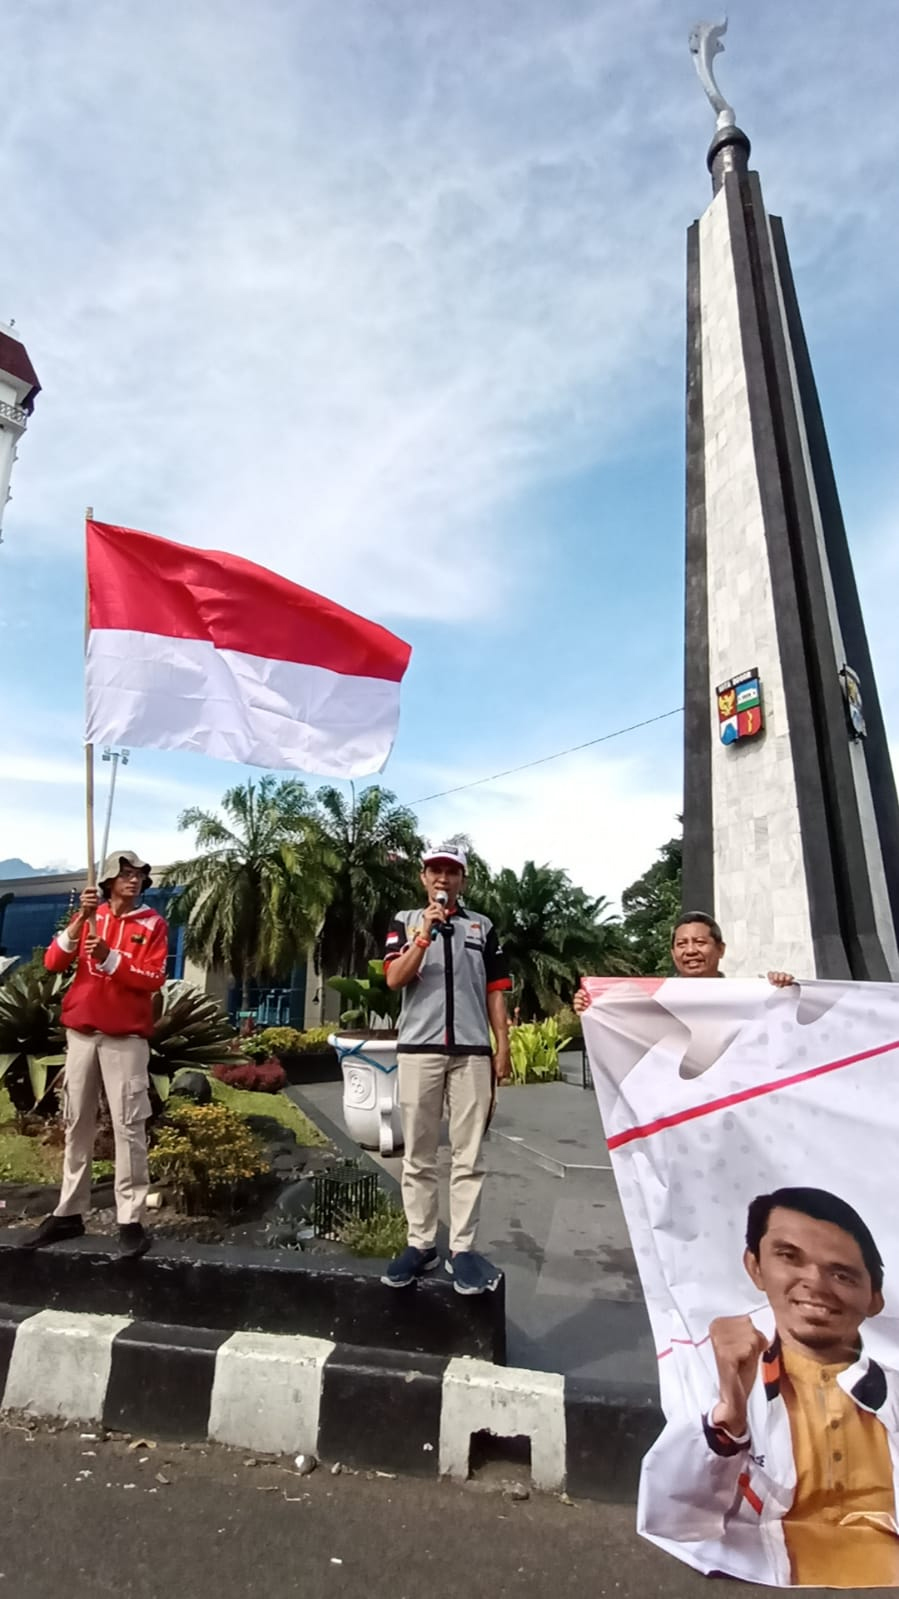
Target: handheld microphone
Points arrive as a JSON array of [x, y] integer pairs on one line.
[[440, 898]]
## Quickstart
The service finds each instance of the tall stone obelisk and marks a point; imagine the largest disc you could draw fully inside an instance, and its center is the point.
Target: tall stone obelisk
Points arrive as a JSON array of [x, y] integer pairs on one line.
[[791, 820]]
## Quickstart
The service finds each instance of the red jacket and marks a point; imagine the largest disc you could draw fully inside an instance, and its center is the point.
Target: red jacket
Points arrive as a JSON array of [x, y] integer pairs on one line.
[[116, 997]]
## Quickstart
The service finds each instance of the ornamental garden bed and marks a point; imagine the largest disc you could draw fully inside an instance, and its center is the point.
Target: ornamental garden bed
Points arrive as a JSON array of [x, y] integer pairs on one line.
[[232, 1159], [239, 1169], [244, 1169]]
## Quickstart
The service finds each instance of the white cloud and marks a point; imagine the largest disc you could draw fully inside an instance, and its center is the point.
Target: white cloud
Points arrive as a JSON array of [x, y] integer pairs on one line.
[[64, 772], [42, 797], [334, 286], [601, 818]]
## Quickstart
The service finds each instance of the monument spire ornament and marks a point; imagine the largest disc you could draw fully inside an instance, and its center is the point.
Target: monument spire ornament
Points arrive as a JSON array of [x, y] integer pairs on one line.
[[730, 147], [705, 45]]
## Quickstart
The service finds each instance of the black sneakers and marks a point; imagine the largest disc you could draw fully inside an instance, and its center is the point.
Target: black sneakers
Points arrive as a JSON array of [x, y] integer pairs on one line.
[[134, 1239], [53, 1230]]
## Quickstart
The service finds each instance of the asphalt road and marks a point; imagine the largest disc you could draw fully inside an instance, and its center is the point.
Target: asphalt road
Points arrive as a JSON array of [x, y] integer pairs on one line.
[[223, 1527]]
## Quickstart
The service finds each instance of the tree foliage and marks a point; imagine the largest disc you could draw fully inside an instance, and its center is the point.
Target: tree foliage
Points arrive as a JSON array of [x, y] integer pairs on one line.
[[372, 849], [552, 932], [651, 906], [253, 897]]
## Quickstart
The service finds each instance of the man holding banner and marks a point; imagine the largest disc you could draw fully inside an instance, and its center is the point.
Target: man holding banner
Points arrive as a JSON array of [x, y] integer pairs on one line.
[[697, 950]]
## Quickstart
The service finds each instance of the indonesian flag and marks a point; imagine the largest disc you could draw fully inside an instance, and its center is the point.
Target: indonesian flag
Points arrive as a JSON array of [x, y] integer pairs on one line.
[[199, 650]]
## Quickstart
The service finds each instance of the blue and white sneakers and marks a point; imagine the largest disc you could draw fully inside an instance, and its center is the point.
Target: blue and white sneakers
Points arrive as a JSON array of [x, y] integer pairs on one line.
[[410, 1264], [473, 1274]]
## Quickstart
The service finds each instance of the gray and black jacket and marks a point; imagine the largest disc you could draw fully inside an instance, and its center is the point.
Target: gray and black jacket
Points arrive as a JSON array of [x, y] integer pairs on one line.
[[445, 1006]]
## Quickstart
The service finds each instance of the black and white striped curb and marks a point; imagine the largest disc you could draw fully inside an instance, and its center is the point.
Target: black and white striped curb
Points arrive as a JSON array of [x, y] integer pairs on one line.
[[285, 1394]]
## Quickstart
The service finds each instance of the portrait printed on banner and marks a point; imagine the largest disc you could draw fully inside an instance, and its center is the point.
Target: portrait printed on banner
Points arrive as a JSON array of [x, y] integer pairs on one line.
[[750, 1132]]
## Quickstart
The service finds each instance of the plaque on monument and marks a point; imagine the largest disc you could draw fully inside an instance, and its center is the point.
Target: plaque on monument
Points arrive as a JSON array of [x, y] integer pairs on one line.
[[739, 703]]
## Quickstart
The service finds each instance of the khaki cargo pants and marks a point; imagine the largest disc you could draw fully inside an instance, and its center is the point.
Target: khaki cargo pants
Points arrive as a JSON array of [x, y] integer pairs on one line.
[[466, 1082], [121, 1063]]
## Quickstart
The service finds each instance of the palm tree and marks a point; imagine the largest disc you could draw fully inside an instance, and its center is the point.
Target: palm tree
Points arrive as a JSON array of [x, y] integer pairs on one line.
[[252, 899], [374, 850], [552, 932]]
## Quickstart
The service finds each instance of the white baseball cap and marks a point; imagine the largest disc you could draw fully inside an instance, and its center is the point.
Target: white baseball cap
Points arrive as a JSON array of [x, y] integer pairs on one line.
[[446, 852]]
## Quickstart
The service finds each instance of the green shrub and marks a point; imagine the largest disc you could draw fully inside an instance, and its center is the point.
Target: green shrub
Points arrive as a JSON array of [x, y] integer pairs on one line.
[[281, 1041], [253, 1048], [284, 1042], [382, 1236], [369, 1000], [189, 1029], [535, 1048], [314, 1040], [207, 1155], [570, 1025], [31, 1033]]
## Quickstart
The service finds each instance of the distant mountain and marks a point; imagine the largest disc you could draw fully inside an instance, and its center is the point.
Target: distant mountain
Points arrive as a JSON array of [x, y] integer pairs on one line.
[[17, 868]]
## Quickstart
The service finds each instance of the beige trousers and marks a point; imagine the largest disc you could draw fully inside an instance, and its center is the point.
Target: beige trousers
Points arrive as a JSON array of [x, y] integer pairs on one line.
[[122, 1065], [466, 1082]]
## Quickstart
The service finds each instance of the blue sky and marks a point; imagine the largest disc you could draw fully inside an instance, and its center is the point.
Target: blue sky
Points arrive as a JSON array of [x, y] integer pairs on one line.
[[390, 296]]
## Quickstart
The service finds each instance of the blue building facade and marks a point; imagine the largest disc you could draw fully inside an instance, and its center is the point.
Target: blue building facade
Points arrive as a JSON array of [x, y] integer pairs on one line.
[[37, 906], [31, 919]]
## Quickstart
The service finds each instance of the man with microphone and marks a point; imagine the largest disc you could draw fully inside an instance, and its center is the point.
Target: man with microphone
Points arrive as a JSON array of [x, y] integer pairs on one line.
[[454, 977]]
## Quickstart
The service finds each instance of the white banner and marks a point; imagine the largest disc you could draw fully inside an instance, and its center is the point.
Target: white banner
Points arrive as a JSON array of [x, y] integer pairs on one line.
[[754, 1134]]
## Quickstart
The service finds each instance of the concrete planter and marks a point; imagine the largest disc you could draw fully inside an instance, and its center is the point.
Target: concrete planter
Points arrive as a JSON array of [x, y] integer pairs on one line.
[[370, 1104]]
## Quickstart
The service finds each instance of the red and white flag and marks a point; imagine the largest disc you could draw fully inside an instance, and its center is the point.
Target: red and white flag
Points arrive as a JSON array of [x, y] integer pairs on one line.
[[199, 650]]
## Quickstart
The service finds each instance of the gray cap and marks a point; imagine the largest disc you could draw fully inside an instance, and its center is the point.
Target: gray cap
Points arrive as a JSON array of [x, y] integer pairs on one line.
[[114, 862]]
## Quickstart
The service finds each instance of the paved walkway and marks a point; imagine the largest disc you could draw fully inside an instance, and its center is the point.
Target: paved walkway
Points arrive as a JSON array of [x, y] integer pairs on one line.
[[551, 1218]]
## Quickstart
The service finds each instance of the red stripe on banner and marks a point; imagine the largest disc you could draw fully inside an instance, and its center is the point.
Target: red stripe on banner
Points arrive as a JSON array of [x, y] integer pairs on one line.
[[597, 987], [687, 1342], [140, 583], [749, 1494], [695, 1111]]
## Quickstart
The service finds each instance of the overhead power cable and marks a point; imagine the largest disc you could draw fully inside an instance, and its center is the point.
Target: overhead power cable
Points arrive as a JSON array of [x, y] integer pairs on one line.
[[543, 759]]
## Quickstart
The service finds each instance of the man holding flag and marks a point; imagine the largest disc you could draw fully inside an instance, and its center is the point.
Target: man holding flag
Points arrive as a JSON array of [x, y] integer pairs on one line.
[[119, 948], [191, 649]]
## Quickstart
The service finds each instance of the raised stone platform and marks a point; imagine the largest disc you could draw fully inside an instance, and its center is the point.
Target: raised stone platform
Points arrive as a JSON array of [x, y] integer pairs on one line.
[[551, 1218], [258, 1290]]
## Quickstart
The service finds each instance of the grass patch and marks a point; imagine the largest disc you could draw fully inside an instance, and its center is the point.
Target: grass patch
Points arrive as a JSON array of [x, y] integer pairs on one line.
[[382, 1236], [276, 1106], [24, 1160], [27, 1160]]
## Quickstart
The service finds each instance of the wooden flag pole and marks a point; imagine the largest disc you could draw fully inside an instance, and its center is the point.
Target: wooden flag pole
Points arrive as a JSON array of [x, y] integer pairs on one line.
[[89, 748]]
